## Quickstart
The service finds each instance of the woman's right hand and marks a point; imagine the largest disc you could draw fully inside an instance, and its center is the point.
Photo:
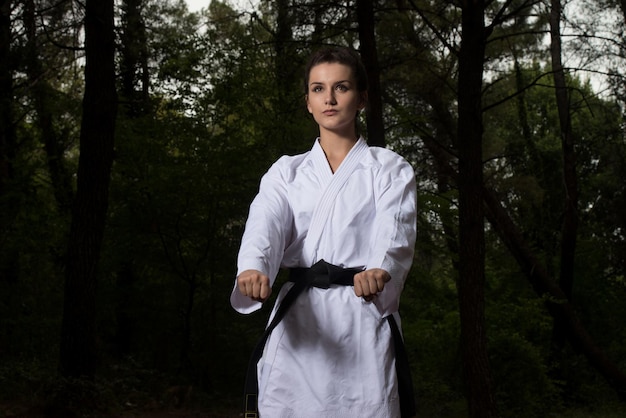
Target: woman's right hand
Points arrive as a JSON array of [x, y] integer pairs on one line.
[[254, 284]]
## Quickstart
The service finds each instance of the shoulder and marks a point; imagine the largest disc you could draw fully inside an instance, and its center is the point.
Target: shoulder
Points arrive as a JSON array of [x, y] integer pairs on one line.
[[291, 161], [288, 165], [387, 160]]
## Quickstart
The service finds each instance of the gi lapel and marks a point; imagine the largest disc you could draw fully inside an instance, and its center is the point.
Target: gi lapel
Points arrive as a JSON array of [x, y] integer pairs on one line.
[[327, 200]]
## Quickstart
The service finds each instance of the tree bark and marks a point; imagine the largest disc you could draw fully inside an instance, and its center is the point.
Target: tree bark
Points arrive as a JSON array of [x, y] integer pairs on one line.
[[9, 266], [369, 55], [285, 71], [471, 283], [134, 93], [78, 335], [7, 127], [569, 228]]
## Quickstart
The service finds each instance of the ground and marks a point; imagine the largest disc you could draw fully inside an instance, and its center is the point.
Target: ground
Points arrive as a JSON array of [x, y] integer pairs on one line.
[[16, 410]]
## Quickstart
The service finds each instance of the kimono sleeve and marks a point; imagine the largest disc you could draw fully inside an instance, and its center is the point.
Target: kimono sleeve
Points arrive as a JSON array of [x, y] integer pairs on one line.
[[264, 238], [395, 231]]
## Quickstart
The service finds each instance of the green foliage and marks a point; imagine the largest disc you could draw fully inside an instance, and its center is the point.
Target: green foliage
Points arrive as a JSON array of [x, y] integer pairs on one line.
[[24, 379], [519, 337], [31, 251]]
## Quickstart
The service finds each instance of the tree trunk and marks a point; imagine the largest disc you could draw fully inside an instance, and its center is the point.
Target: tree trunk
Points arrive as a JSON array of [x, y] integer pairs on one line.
[[369, 54], [471, 283], [569, 228], [185, 363], [9, 266], [7, 127], [134, 91], [284, 81], [125, 321], [78, 334], [134, 59]]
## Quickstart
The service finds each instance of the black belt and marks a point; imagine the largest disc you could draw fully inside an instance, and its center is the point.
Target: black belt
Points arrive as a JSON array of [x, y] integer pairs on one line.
[[323, 274]]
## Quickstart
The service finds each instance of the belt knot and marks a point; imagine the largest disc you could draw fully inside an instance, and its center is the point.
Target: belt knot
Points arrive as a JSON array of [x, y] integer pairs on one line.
[[323, 274]]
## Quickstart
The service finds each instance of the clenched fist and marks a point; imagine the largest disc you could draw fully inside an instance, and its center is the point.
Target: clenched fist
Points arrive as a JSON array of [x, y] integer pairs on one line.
[[369, 283], [254, 284]]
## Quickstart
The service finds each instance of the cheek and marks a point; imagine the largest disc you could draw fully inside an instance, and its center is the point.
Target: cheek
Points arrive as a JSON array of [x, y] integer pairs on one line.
[[312, 103]]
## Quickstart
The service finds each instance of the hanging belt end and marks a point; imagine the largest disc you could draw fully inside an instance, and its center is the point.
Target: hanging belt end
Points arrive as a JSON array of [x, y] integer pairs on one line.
[[251, 406]]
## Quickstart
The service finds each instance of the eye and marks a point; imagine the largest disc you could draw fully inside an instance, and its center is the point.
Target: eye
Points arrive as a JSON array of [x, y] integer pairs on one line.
[[316, 89], [341, 87]]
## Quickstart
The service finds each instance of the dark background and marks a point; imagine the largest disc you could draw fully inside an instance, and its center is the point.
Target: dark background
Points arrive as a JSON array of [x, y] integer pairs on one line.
[[132, 139]]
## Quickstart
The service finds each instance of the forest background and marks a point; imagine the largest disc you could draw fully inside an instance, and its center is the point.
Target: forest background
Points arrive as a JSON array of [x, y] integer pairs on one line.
[[133, 135]]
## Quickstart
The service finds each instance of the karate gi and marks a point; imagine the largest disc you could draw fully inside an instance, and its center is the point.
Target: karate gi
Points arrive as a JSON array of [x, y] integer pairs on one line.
[[332, 355]]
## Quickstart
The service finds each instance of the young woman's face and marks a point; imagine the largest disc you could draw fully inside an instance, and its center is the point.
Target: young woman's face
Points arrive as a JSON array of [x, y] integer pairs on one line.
[[333, 98]]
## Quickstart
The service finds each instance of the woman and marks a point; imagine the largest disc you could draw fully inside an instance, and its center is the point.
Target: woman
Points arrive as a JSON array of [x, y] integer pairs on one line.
[[341, 205]]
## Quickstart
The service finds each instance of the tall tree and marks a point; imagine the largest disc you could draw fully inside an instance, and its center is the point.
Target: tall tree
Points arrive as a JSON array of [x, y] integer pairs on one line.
[[369, 54], [134, 58], [570, 180], [471, 282], [8, 143], [135, 115], [7, 124], [78, 333], [284, 71]]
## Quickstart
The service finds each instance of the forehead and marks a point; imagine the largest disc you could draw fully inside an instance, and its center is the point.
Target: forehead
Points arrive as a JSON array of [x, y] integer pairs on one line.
[[328, 72]]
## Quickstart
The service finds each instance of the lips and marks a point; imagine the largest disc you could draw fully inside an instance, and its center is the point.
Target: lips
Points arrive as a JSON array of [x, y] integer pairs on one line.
[[330, 112]]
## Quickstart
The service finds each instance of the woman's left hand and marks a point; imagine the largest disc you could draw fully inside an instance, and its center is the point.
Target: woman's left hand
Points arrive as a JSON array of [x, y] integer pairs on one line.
[[369, 283]]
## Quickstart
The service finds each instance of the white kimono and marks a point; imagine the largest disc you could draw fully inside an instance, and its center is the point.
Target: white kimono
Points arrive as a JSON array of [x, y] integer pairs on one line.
[[332, 355]]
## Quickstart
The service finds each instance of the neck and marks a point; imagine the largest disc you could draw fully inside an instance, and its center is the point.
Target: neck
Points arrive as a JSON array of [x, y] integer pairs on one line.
[[336, 147]]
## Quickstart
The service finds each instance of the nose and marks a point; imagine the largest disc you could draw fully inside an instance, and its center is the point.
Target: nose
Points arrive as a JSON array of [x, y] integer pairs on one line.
[[330, 98]]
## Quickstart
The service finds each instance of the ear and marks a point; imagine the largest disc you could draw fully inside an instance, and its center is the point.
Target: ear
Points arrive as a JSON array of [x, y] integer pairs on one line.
[[308, 106], [363, 100]]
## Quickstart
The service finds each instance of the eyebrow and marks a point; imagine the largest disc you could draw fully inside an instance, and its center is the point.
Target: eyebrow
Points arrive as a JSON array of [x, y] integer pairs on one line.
[[336, 82]]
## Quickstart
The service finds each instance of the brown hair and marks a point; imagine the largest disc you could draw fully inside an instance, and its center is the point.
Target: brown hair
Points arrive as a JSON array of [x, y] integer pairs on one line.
[[340, 55]]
